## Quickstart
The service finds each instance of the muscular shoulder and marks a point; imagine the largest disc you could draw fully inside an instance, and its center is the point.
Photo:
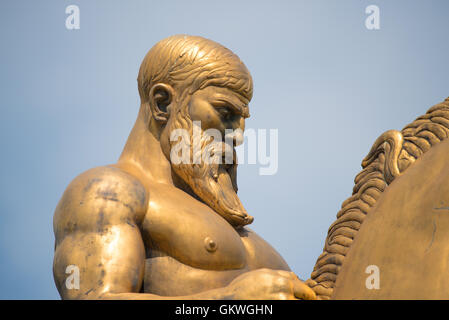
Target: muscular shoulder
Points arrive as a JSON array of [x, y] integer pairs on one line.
[[99, 198]]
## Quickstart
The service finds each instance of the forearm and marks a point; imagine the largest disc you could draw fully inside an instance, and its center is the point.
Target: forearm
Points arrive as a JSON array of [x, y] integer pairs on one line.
[[214, 294]]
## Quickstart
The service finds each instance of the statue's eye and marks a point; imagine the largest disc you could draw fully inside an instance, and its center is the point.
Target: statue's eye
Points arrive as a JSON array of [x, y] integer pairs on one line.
[[224, 112]]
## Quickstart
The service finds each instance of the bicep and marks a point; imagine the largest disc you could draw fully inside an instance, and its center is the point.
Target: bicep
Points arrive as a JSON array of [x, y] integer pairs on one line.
[[97, 234], [108, 262]]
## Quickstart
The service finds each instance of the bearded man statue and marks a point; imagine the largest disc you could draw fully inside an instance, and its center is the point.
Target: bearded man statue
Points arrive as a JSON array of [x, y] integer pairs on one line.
[[164, 223]]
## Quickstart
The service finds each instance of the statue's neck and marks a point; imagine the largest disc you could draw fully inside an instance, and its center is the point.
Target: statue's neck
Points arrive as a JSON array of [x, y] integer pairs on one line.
[[143, 153]]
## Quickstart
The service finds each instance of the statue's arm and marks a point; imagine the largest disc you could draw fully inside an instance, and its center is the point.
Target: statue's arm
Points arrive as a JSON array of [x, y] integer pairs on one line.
[[98, 240], [97, 232]]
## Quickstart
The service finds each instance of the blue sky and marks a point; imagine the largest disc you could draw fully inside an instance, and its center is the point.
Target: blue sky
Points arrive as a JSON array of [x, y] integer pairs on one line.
[[330, 86]]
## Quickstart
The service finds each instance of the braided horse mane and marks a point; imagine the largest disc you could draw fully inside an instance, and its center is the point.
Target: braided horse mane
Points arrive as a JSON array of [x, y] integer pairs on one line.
[[391, 154]]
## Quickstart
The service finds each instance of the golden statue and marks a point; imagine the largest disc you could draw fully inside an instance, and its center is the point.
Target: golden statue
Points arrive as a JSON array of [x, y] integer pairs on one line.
[[399, 210], [149, 227]]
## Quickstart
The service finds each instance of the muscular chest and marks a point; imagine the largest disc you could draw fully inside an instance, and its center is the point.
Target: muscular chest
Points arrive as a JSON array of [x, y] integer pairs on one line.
[[192, 234]]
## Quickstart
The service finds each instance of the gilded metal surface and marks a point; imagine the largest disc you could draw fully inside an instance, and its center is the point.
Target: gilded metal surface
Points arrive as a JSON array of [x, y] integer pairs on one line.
[[392, 220], [148, 228], [412, 250]]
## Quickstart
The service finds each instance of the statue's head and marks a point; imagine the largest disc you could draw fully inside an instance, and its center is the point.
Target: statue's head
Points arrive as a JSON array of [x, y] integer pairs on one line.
[[195, 85]]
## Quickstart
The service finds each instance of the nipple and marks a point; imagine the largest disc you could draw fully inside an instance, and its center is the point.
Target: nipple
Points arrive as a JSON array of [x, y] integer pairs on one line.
[[210, 244]]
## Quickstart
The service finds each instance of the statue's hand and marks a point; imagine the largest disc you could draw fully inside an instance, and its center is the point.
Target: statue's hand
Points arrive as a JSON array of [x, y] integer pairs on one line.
[[269, 284]]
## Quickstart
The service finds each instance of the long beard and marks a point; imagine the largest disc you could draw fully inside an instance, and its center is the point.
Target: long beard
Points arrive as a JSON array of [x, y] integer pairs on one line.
[[214, 182]]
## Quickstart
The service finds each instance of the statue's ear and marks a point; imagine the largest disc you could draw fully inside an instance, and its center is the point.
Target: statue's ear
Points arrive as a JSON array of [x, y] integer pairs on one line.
[[160, 98]]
